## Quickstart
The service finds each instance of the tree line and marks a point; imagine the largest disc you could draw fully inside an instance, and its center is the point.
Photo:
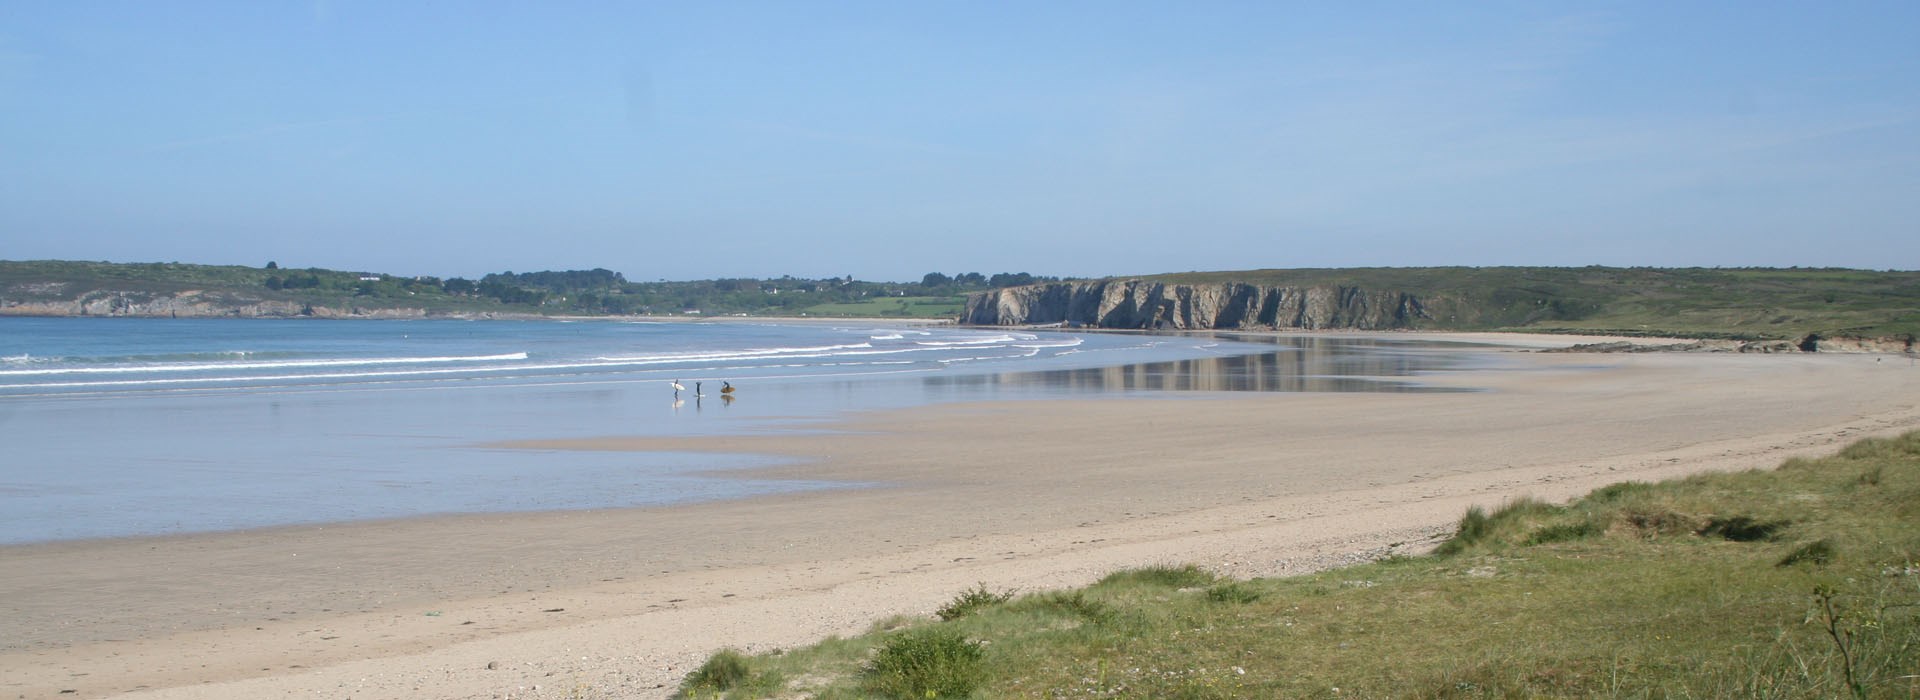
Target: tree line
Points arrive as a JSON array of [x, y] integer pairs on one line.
[[602, 291]]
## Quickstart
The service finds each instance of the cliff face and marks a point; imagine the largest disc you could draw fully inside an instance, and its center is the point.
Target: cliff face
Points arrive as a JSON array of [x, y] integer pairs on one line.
[[1141, 304], [187, 304]]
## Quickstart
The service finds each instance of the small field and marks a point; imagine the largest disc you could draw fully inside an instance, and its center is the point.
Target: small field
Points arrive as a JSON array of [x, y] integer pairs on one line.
[[1796, 582], [893, 307]]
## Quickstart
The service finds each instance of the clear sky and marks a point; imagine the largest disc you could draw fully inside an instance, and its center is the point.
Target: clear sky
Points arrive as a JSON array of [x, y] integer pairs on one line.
[[884, 140]]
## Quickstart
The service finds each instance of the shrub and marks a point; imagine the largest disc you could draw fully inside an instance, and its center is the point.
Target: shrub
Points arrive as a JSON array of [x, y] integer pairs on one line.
[[972, 601], [930, 662]]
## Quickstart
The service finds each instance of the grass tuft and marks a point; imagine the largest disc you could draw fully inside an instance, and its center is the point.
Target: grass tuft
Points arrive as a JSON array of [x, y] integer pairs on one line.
[[1650, 520], [1740, 528], [929, 662], [1903, 446], [1185, 576], [1474, 528], [971, 601], [1566, 532], [1818, 552], [1074, 604], [724, 671], [1614, 493], [1478, 528], [1234, 592]]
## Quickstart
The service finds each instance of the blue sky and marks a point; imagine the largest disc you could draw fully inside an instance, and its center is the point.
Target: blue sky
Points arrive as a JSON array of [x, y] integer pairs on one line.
[[886, 140]]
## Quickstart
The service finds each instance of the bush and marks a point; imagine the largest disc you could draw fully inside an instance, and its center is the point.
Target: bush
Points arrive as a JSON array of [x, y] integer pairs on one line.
[[930, 662], [972, 601]]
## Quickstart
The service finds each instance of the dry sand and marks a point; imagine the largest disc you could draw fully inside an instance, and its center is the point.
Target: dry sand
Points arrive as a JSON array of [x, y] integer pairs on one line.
[[1028, 495]]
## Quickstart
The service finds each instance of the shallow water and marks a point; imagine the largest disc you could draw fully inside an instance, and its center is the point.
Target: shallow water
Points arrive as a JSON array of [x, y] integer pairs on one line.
[[122, 427]]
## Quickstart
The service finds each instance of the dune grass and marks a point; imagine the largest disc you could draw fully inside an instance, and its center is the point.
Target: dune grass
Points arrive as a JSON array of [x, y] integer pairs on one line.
[[1796, 582]]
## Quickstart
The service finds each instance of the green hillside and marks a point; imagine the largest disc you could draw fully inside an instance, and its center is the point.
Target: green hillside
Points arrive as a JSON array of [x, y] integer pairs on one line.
[[60, 287], [1754, 303]]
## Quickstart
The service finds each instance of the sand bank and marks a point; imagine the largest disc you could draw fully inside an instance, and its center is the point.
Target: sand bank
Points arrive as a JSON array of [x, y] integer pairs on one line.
[[621, 603]]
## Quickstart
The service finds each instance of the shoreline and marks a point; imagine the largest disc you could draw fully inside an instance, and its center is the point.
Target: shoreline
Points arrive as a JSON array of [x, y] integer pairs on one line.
[[1029, 495]]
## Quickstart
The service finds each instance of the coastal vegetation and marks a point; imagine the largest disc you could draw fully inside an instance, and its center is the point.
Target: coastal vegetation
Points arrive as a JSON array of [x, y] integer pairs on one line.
[[1733, 303], [58, 287], [1748, 304], [1801, 581], [1768, 310]]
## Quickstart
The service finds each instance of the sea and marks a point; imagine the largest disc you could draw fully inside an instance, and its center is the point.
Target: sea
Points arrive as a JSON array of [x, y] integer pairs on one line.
[[121, 427]]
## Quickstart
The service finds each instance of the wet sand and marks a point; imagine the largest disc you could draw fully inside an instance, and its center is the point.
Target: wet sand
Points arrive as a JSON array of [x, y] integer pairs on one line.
[[1029, 495]]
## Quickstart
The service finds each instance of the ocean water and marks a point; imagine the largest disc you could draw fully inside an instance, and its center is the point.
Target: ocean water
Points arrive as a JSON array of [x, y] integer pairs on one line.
[[140, 427]]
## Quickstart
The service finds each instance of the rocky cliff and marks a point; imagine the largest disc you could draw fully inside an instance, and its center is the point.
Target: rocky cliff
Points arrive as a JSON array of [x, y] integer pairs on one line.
[[1155, 305], [186, 304]]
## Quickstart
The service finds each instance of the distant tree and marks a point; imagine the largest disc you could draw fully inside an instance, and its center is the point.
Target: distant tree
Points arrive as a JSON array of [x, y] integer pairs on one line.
[[510, 294], [561, 282], [935, 279], [1010, 279], [273, 281], [458, 285], [271, 265], [970, 279]]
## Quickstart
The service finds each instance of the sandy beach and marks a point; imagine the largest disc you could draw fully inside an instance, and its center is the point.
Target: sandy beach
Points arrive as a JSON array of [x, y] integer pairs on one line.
[[1028, 495]]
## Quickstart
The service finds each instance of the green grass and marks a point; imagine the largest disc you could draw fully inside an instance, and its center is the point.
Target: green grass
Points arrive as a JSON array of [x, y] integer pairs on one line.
[[894, 307], [1796, 582]]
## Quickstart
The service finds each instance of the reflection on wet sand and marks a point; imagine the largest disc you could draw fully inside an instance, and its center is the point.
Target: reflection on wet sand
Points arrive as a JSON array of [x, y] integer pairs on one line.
[[1301, 364]]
